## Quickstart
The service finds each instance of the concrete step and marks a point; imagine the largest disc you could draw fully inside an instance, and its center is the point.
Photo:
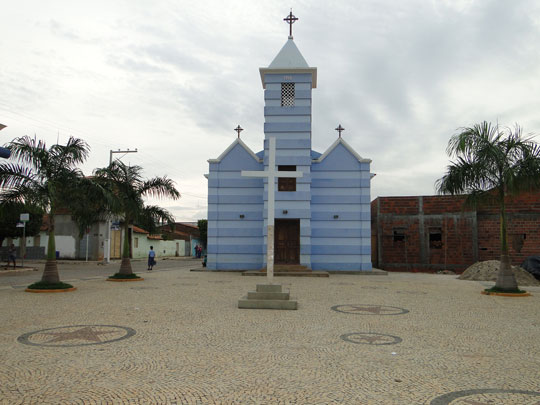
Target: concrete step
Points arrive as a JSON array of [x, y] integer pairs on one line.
[[268, 288], [254, 295], [267, 296], [282, 268], [288, 273], [246, 303]]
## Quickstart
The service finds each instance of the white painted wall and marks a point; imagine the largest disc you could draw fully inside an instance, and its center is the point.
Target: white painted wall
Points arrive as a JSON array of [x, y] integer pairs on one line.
[[163, 248], [65, 244]]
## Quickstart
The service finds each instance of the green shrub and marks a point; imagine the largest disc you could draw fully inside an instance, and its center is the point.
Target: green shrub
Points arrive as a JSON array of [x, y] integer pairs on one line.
[[40, 285], [504, 290], [124, 276]]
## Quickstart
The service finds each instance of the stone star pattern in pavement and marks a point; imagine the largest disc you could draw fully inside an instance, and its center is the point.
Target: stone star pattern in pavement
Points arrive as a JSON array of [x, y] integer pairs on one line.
[[87, 333], [488, 397], [370, 338], [493, 401], [370, 309], [76, 335]]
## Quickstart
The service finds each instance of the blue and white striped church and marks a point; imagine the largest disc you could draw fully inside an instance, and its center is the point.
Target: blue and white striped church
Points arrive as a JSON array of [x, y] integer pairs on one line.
[[322, 219]]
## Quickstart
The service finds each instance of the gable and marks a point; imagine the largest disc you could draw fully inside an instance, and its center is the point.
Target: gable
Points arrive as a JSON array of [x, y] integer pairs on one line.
[[236, 157], [339, 158]]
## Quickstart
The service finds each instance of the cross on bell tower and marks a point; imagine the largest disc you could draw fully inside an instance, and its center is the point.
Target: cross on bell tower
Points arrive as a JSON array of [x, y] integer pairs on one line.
[[340, 129], [290, 19]]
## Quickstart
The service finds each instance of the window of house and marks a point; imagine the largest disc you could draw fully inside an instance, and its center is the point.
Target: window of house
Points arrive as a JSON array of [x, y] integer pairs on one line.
[[136, 242], [286, 183], [399, 234], [435, 238], [287, 94]]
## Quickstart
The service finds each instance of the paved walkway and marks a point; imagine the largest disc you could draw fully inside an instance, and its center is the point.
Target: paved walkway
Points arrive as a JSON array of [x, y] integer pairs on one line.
[[178, 338]]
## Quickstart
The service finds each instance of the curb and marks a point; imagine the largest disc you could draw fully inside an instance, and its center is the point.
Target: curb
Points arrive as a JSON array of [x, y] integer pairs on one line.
[[32, 290], [526, 294], [121, 280], [18, 270]]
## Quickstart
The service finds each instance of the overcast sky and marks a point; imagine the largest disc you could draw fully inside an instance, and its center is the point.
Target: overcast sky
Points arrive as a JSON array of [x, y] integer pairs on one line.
[[174, 78]]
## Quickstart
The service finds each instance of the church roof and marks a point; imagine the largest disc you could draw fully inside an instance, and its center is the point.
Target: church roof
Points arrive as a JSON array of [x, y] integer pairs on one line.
[[340, 141], [289, 60], [237, 141], [289, 57]]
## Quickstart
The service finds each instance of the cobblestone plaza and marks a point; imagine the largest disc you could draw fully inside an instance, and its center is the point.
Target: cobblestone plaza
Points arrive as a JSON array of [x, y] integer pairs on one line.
[[178, 338]]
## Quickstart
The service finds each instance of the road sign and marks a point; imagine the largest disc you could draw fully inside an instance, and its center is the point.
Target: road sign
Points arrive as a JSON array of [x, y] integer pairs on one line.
[[25, 217]]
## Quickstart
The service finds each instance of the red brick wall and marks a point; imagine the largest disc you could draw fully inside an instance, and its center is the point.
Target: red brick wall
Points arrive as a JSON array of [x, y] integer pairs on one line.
[[467, 235], [523, 223]]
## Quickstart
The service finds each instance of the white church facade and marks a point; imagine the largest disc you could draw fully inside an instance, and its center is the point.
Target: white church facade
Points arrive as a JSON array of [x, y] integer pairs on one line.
[[322, 219]]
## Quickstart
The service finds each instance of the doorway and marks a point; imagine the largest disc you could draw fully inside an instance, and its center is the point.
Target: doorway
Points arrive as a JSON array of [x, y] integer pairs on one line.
[[287, 241], [116, 245]]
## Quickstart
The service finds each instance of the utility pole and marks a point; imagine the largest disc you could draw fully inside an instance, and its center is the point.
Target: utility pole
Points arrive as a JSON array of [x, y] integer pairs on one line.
[[108, 240]]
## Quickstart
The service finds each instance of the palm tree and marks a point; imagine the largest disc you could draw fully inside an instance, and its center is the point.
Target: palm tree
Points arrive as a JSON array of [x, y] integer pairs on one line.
[[126, 192], [45, 178], [492, 163], [89, 204]]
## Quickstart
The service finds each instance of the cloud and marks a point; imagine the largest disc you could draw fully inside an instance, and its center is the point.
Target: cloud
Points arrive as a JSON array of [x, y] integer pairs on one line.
[[63, 31], [133, 65], [174, 79]]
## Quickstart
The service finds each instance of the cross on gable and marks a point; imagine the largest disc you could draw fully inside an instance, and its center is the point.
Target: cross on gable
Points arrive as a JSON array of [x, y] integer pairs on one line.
[[340, 129], [271, 174], [239, 129], [290, 19]]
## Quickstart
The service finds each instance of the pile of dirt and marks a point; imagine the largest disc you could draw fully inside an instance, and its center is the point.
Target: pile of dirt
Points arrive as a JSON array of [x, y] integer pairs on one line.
[[488, 270]]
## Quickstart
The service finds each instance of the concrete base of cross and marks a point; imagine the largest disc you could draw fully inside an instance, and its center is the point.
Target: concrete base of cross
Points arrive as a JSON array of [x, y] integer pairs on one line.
[[267, 296]]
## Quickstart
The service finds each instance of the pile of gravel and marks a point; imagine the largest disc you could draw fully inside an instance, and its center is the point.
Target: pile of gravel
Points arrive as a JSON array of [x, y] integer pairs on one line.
[[488, 270]]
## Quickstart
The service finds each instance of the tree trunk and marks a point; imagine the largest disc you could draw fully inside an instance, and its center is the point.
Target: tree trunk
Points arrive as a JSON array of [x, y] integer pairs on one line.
[[125, 266], [50, 273], [506, 279]]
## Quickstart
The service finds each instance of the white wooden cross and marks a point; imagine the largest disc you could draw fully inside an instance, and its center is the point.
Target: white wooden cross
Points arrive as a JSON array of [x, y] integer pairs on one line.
[[271, 174]]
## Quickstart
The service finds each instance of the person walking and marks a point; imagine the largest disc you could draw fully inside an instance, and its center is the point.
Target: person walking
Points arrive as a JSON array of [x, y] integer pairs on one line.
[[12, 255], [151, 258]]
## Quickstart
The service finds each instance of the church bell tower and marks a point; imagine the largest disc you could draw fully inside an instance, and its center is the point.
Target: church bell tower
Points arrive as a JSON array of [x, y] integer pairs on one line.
[[287, 83]]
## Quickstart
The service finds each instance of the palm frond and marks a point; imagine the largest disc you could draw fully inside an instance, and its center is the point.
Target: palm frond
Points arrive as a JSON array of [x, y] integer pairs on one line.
[[159, 187], [29, 151], [12, 175], [74, 152], [151, 215]]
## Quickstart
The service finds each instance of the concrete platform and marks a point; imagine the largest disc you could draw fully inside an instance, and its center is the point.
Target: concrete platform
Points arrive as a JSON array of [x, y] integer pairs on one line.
[[267, 296], [288, 273], [373, 272]]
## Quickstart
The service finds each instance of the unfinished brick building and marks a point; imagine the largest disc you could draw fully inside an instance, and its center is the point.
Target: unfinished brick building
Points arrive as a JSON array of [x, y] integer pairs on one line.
[[431, 233]]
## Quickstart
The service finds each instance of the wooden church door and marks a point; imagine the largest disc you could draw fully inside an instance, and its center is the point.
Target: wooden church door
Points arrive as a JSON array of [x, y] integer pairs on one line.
[[287, 241]]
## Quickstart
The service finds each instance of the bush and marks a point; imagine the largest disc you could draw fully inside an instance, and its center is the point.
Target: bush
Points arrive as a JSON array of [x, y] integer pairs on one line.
[[504, 290], [124, 276], [40, 285]]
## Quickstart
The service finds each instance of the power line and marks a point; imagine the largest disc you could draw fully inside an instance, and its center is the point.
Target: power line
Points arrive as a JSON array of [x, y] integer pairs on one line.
[[195, 195]]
